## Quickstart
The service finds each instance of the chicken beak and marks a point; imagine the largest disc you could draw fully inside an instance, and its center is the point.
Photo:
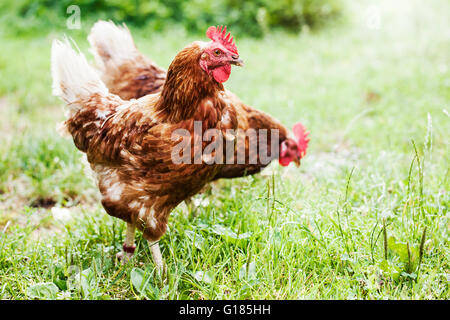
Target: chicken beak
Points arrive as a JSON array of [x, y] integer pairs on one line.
[[297, 162], [237, 62]]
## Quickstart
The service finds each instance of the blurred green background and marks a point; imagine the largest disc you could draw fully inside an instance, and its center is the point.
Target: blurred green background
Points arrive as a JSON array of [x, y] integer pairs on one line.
[[247, 17], [369, 79]]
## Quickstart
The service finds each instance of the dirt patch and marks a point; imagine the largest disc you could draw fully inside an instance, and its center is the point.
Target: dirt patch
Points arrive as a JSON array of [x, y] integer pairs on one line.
[[43, 203]]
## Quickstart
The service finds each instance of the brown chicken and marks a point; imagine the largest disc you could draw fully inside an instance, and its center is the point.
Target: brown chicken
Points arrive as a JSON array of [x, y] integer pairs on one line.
[[131, 75], [130, 144]]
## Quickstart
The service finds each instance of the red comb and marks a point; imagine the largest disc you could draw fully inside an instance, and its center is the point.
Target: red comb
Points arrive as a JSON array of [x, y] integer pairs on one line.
[[302, 138], [219, 34]]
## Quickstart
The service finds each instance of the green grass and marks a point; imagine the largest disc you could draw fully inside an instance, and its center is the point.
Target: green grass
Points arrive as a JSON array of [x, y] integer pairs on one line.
[[377, 104]]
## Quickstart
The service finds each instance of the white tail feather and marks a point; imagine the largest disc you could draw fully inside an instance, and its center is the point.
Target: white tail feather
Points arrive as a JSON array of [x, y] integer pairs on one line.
[[73, 79], [111, 45]]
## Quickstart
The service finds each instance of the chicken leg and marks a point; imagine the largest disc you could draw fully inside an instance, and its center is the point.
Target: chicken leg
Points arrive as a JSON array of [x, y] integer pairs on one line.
[[156, 255], [128, 246]]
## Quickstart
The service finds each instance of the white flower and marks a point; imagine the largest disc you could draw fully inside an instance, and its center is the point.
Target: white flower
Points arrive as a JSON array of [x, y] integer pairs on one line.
[[62, 215], [201, 202]]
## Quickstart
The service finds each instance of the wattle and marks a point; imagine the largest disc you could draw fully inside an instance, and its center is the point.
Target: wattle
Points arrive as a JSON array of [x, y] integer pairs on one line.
[[284, 161], [221, 74]]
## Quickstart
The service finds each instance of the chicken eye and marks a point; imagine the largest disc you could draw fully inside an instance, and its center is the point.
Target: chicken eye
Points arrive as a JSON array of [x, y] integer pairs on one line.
[[217, 52]]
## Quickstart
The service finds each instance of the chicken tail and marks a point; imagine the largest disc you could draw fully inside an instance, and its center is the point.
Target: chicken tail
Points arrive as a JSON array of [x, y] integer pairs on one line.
[[73, 79], [111, 45], [125, 71]]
